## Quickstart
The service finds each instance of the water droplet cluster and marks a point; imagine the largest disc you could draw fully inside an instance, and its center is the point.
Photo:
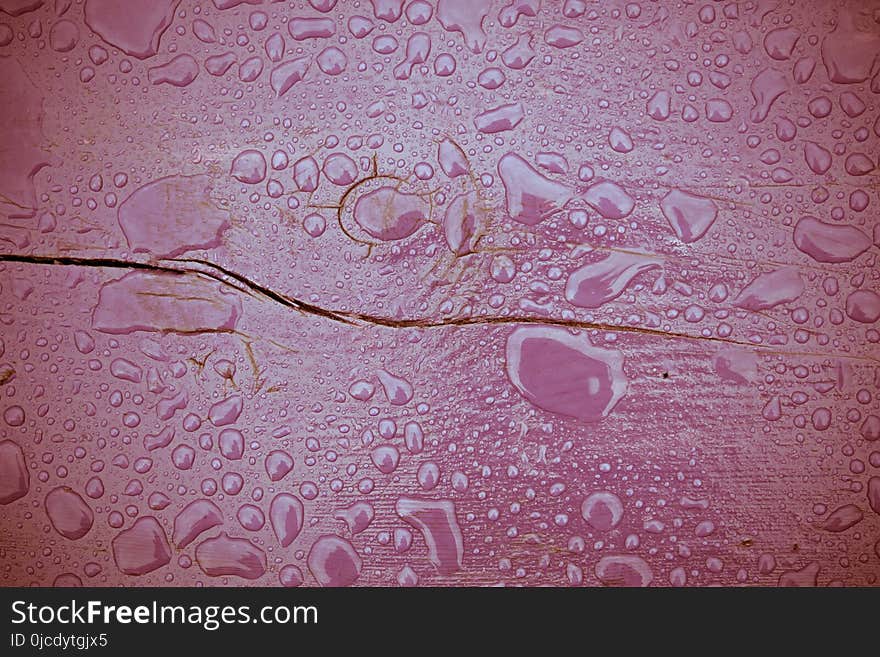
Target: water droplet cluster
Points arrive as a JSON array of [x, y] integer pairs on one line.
[[465, 292]]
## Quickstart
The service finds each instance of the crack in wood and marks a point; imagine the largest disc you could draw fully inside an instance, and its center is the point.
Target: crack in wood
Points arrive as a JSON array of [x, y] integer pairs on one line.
[[245, 285]]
